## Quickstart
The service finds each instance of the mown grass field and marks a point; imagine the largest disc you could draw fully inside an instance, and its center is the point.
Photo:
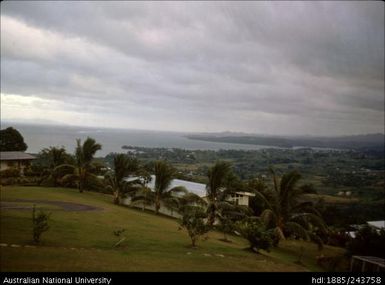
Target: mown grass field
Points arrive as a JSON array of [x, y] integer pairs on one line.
[[83, 240]]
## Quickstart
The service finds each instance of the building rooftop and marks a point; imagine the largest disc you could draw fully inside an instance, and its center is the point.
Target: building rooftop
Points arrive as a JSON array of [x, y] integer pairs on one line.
[[377, 224], [245, 194], [371, 259], [15, 155], [196, 188], [193, 187]]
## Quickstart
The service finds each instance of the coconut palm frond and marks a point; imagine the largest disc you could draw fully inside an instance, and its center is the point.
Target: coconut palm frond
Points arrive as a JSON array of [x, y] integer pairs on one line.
[[268, 216], [279, 233], [298, 230], [316, 239], [70, 179], [275, 183], [313, 219], [146, 197], [193, 199], [302, 206], [263, 198], [178, 189], [217, 175], [164, 174], [88, 150], [64, 167]]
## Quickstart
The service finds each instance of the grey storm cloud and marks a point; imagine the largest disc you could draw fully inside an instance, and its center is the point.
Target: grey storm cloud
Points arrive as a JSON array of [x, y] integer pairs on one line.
[[265, 67]]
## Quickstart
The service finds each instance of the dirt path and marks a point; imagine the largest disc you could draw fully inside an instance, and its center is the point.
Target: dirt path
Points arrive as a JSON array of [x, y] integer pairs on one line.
[[66, 206]]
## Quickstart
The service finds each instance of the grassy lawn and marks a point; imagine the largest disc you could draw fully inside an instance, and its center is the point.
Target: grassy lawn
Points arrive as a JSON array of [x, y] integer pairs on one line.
[[83, 240]]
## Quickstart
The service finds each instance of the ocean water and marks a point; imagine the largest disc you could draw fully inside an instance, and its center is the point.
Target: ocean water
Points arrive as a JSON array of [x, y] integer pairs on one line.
[[38, 137]]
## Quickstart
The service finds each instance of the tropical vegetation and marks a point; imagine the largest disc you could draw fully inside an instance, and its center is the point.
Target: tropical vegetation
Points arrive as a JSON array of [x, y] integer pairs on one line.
[[193, 221], [12, 140], [216, 188], [287, 212], [162, 194], [282, 209], [82, 168], [124, 167]]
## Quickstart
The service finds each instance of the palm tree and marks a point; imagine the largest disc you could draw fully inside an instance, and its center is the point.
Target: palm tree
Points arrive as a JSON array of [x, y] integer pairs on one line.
[[144, 196], [84, 155], [215, 188], [228, 215], [287, 211], [51, 158], [190, 199], [124, 166], [164, 174]]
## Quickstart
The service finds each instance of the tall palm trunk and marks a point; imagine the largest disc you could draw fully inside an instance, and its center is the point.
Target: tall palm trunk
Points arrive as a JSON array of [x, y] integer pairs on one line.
[[280, 228], [80, 186], [211, 215], [116, 197], [211, 219], [193, 242], [157, 205], [80, 182]]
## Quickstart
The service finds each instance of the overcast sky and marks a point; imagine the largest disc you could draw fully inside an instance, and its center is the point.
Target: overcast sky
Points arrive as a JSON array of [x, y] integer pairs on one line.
[[258, 67]]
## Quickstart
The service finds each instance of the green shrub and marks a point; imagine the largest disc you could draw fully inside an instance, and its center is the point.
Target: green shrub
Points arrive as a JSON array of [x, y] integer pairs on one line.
[[8, 181], [28, 181], [10, 172], [193, 220], [40, 223], [30, 172], [368, 241], [256, 233]]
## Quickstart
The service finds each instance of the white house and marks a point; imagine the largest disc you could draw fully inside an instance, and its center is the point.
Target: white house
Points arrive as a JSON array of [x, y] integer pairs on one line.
[[240, 198], [15, 159]]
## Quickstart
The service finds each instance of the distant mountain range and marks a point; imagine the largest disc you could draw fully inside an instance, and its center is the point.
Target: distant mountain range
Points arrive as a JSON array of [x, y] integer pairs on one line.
[[356, 142]]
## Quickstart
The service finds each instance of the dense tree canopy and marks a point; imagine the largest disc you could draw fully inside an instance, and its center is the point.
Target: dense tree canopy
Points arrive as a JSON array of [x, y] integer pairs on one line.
[[12, 140]]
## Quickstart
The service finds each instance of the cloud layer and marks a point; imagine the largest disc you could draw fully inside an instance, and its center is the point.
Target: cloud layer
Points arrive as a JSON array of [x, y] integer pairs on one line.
[[261, 67]]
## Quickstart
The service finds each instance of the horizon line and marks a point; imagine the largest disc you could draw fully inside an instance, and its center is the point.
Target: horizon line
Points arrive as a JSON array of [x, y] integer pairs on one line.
[[183, 132]]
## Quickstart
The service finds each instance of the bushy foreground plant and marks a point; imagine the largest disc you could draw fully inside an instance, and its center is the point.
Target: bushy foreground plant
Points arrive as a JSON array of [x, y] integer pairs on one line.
[[256, 233], [193, 221], [40, 223]]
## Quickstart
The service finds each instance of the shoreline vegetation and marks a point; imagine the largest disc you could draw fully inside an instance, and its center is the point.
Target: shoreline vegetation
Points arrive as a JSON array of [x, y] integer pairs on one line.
[[359, 142]]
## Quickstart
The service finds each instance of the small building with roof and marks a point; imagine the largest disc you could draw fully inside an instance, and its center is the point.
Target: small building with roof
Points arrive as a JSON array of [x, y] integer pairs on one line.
[[241, 198], [15, 159]]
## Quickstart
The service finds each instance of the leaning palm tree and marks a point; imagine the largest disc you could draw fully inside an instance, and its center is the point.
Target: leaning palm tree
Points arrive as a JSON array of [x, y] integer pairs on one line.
[[215, 188], [124, 166], [84, 155], [287, 211], [164, 174]]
